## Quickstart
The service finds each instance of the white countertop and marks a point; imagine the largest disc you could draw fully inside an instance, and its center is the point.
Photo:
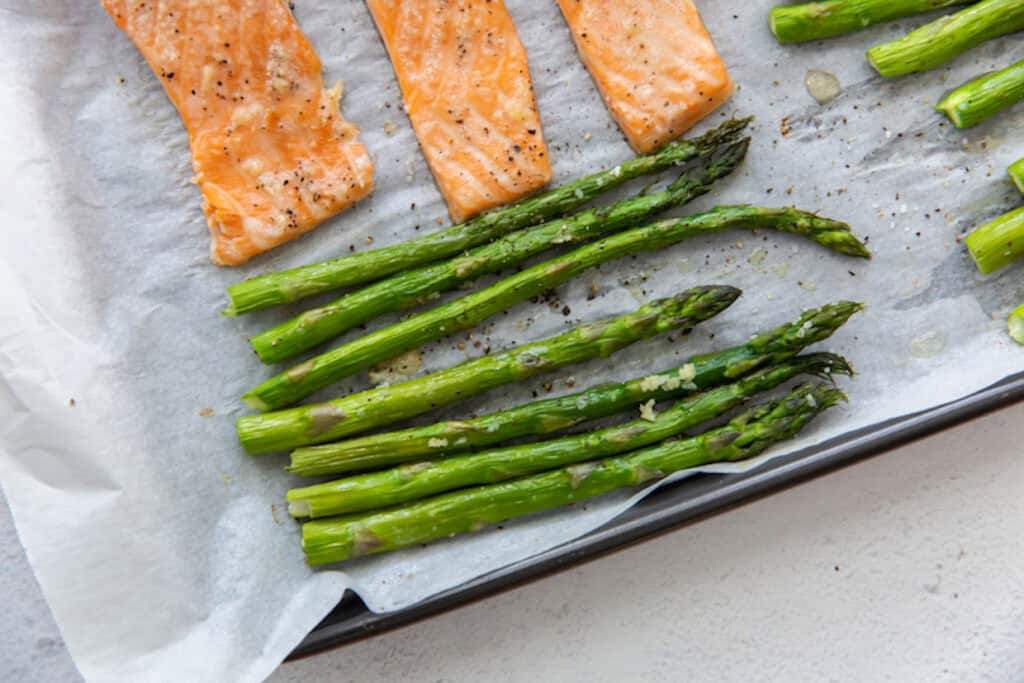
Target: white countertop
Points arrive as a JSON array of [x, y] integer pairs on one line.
[[906, 566]]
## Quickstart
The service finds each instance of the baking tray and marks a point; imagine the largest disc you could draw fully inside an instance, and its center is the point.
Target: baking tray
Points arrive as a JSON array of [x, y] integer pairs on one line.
[[667, 508]]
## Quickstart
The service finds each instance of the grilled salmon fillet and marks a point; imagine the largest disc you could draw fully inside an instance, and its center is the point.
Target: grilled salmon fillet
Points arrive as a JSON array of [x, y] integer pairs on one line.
[[272, 154], [653, 62], [467, 90]]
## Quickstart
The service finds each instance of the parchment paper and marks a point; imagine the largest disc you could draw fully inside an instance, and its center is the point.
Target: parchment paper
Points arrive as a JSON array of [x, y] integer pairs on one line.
[[166, 553]]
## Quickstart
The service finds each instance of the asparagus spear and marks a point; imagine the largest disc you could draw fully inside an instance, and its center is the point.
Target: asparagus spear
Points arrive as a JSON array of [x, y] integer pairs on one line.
[[973, 102], [460, 314], [816, 20], [342, 538], [999, 242], [1016, 172], [946, 38], [410, 288], [355, 269], [386, 405], [705, 372], [1015, 324], [399, 485]]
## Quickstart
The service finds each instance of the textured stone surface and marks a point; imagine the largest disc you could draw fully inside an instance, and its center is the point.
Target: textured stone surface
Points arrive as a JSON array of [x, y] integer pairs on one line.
[[903, 567]]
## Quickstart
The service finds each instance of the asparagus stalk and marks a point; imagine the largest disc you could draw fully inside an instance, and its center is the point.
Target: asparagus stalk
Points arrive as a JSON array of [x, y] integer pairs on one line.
[[975, 101], [946, 38], [1016, 172], [355, 269], [707, 371], [460, 314], [410, 288], [386, 405], [999, 242], [342, 538], [1015, 324], [418, 480], [816, 20]]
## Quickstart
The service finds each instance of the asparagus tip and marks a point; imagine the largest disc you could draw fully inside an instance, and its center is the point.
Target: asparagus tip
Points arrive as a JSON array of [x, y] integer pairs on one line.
[[819, 396], [717, 298], [855, 247], [709, 142], [819, 323], [734, 152], [826, 396], [826, 365], [735, 124], [846, 308]]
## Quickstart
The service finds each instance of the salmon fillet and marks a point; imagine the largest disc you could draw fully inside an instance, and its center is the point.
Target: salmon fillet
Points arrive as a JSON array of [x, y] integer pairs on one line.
[[653, 62], [467, 91], [272, 154]]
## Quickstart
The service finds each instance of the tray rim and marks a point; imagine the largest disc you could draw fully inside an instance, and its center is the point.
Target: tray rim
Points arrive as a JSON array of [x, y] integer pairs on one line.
[[731, 490]]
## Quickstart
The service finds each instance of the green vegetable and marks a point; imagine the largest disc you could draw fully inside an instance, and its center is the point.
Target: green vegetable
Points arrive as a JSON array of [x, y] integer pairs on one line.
[[386, 405], [356, 269], [342, 538], [1015, 324], [414, 287], [460, 314], [973, 102], [385, 449], [944, 39], [999, 242], [816, 20], [425, 478], [1016, 172]]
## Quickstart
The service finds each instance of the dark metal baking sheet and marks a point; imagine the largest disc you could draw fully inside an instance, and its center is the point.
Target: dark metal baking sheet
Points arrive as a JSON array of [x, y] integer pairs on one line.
[[667, 508]]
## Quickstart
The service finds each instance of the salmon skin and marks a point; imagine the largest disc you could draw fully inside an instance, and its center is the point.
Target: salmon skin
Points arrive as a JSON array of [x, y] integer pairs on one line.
[[467, 90], [653, 62], [272, 154]]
